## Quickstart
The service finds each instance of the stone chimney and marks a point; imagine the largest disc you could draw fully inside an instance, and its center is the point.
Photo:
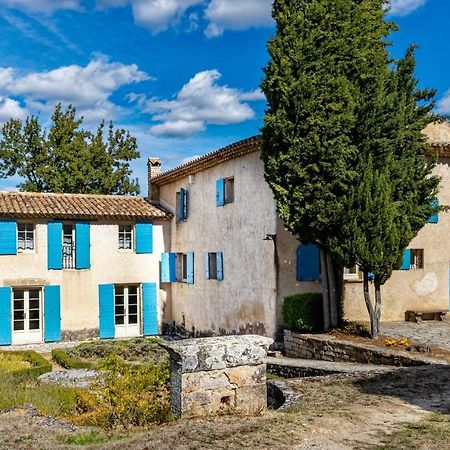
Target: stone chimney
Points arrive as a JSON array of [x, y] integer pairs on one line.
[[154, 168]]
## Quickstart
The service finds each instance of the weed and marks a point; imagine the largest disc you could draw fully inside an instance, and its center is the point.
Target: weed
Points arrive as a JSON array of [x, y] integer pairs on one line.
[[64, 359], [89, 438]]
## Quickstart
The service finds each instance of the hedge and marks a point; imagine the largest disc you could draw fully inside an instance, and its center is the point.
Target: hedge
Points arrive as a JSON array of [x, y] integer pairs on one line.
[[67, 361], [303, 312], [39, 365]]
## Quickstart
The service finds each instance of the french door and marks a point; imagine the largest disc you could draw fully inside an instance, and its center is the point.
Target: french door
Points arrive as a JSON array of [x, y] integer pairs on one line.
[[27, 316], [127, 311]]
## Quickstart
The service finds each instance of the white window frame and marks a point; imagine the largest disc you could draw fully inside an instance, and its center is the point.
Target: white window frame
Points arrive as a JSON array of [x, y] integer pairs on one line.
[[352, 276], [417, 259], [74, 245], [126, 250], [25, 250]]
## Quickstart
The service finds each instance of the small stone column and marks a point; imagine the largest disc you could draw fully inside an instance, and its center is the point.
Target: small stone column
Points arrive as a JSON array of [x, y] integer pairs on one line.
[[212, 375]]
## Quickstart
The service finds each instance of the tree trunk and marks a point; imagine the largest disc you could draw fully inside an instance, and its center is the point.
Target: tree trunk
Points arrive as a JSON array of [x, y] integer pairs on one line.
[[333, 291], [377, 305], [370, 309], [325, 290]]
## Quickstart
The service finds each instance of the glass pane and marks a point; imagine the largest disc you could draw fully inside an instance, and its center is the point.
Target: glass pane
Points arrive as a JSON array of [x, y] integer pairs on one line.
[[120, 320], [18, 305], [119, 310], [34, 314], [29, 244], [18, 294], [119, 290], [19, 315], [127, 243], [34, 324], [18, 325], [21, 242], [132, 319], [121, 241], [34, 294], [132, 290], [21, 227], [132, 309]]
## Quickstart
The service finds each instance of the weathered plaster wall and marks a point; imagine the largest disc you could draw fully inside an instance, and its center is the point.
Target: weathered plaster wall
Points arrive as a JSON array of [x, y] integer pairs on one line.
[[79, 288], [425, 288], [245, 301]]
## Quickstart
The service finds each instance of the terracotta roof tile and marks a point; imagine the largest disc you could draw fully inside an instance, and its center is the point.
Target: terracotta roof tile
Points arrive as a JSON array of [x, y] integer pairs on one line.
[[78, 206]]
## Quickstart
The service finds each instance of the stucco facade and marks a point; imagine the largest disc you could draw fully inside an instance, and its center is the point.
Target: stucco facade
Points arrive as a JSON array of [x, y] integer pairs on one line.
[[78, 289]]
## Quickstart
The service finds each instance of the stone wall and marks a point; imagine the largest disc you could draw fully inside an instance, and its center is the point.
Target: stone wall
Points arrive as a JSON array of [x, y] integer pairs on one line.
[[221, 374], [328, 348]]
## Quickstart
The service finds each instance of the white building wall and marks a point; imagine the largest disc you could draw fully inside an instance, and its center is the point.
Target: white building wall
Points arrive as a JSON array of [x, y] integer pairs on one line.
[[245, 301], [79, 288]]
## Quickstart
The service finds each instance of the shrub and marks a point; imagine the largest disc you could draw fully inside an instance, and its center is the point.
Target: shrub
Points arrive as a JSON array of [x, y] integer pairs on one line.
[[303, 312], [130, 396], [24, 365], [70, 361]]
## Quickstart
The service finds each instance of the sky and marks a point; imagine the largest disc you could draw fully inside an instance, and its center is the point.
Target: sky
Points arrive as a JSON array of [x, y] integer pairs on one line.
[[181, 75]]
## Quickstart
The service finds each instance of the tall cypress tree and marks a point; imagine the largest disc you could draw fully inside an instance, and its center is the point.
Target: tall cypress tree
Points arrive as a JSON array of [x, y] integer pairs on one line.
[[322, 55]]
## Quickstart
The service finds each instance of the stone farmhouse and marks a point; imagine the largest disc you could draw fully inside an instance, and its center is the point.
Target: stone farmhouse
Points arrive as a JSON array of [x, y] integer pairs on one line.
[[205, 251]]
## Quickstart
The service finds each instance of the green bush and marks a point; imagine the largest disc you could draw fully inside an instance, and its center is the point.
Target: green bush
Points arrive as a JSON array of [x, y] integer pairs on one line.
[[34, 366], [67, 361], [130, 396], [303, 312]]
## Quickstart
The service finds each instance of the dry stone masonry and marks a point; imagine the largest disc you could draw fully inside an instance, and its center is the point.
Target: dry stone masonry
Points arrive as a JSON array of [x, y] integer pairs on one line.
[[219, 374]]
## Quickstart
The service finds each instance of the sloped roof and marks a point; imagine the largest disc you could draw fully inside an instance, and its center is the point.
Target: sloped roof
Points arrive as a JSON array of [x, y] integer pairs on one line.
[[438, 136], [250, 145], [78, 206]]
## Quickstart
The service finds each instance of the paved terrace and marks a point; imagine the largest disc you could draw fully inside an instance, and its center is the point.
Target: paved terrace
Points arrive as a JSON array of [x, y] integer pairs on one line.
[[431, 333]]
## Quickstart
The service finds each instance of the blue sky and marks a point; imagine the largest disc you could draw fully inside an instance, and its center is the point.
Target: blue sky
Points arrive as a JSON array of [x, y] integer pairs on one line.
[[182, 75]]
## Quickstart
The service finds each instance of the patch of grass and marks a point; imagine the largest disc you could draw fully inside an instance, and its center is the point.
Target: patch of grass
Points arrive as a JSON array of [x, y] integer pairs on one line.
[[431, 434], [90, 438], [23, 365], [68, 361], [138, 350]]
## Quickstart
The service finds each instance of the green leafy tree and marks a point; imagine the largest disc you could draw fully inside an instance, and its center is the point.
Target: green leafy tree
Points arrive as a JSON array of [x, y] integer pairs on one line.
[[323, 54], [68, 158]]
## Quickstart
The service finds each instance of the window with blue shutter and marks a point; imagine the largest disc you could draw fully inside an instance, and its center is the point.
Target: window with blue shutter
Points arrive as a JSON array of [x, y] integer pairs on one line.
[[144, 237], [83, 245], [168, 267], [308, 263], [190, 268], [106, 311], [54, 246], [220, 192], [149, 309], [52, 313], [435, 217], [207, 266], [5, 316], [8, 237], [406, 264]]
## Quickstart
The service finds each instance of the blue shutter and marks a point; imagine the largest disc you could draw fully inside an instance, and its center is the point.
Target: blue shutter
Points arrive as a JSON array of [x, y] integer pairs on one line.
[[308, 263], [54, 245], [82, 245], [207, 273], [406, 264], [144, 237], [5, 316], [52, 313], [220, 192], [168, 267], [190, 268], [435, 217], [8, 237], [106, 311], [219, 266], [149, 309]]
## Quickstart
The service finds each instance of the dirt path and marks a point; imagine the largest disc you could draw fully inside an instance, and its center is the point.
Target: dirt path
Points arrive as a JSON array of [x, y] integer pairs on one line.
[[364, 413]]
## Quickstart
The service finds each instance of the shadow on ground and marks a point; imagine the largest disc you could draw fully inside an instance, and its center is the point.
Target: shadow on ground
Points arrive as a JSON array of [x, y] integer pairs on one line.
[[427, 387]]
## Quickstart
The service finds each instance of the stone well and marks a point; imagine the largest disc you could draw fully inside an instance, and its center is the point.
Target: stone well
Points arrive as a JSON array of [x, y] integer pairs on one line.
[[212, 375]]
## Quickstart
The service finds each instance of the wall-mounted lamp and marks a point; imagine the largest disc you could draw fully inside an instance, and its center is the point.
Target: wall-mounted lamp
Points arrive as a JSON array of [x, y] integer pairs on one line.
[[270, 237]]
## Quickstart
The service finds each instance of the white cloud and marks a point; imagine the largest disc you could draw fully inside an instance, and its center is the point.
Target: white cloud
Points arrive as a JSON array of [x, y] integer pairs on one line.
[[405, 7], [41, 6], [443, 105], [237, 15], [88, 88], [159, 15], [11, 109], [200, 102]]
